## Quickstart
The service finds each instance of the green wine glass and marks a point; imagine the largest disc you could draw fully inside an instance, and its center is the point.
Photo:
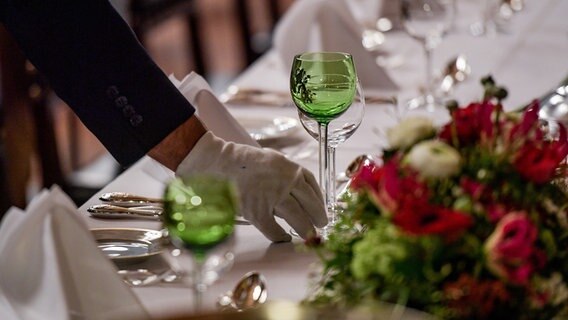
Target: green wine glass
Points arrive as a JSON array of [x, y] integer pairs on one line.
[[323, 86], [199, 214]]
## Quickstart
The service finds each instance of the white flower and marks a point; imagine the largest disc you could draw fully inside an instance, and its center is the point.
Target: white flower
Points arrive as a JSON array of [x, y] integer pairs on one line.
[[410, 131], [434, 159]]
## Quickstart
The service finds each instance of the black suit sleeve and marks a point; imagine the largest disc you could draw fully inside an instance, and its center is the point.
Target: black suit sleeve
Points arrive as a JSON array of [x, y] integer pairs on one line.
[[93, 61]]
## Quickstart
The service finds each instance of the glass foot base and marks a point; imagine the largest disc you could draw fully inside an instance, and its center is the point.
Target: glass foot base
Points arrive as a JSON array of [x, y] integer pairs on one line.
[[322, 232], [427, 102]]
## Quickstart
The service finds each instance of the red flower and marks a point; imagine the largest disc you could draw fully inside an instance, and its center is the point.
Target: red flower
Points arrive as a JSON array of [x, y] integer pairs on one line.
[[388, 188], [529, 123], [420, 218], [475, 299], [368, 175], [470, 123], [537, 159], [495, 211], [472, 187], [510, 250]]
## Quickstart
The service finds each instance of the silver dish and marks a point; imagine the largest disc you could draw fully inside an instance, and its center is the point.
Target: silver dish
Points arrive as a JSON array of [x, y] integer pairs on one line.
[[263, 128], [129, 244], [554, 106]]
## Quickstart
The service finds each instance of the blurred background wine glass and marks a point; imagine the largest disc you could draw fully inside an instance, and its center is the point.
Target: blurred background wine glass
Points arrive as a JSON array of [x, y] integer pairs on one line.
[[427, 21], [199, 214]]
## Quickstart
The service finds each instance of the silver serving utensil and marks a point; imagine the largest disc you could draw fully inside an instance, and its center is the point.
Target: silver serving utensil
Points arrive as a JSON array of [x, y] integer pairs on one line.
[[127, 199], [249, 292], [109, 211], [113, 211], [554, 106], [456, 71]]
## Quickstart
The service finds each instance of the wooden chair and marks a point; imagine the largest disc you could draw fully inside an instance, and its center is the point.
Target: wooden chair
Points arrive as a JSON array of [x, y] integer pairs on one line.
[[147, 13], [272, 12]]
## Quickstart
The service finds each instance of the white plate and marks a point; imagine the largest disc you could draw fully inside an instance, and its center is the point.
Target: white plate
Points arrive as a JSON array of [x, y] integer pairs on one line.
[[268, 128], [128, 244]]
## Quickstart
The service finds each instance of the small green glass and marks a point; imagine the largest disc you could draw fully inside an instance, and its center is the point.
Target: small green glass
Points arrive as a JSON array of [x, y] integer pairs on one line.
[[323, 86], [199, 214]]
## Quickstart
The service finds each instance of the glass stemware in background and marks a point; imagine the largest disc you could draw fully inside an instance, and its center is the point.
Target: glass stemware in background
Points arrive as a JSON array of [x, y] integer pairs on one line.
[[322, 85], [199, 214], [378, 19], [495, 16], [427, 21], [339, 130]]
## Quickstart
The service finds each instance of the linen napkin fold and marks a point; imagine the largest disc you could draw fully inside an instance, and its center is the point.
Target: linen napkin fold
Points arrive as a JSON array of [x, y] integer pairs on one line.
[[211, 111], [52, 268], [328, 25]]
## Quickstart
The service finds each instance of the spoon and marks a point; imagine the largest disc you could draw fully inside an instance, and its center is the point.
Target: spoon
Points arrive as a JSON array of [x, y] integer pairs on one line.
[[456, 71], [249, 292]]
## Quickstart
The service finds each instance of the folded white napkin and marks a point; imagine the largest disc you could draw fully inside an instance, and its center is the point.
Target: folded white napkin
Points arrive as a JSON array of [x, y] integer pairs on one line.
[[328, 25], [51, 267], [211, 111]]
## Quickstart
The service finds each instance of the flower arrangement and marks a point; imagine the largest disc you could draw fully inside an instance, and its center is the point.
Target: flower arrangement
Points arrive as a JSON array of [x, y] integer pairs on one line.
[[466, 221]]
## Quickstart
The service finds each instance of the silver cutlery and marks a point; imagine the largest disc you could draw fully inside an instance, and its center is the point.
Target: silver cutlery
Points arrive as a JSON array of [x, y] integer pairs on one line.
[[236, 95], [110, 211], [114, 211], [128, 199], [457, 70], [249, 292], [554, 105]]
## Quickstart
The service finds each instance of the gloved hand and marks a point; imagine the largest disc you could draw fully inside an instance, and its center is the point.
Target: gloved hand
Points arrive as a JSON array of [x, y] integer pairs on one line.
[[269, 185]]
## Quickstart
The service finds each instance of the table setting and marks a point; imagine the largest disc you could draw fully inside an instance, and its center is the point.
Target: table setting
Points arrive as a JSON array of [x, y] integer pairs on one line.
[[442, 176]]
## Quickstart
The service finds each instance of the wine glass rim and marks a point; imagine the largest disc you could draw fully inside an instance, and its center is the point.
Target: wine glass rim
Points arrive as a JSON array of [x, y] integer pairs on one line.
[[328, 56]]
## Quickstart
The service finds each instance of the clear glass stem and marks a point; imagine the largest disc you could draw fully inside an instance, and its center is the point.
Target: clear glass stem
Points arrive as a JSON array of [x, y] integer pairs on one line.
[[332, 181], [199, 286], [324, 165], [428, 84]]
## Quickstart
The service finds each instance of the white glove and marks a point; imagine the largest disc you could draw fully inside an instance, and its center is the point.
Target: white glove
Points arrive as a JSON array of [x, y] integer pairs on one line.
[[269, 185]]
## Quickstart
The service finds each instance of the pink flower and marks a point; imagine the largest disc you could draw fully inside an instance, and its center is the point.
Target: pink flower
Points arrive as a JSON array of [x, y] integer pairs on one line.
[[510, 251]]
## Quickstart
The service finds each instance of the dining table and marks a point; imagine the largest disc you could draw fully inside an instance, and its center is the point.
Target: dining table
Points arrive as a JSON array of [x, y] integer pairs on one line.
[[529, 57]]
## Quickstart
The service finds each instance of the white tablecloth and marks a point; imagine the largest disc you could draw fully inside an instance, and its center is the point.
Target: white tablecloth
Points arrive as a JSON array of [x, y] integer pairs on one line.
[[529, 61]]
